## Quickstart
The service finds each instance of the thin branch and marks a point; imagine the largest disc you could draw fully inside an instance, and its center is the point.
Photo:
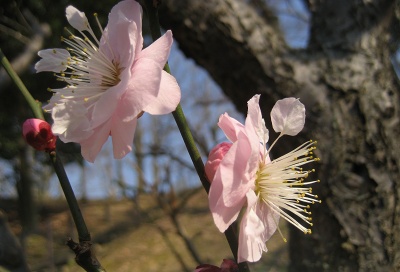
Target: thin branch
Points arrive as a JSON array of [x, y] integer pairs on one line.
[[151, 9]]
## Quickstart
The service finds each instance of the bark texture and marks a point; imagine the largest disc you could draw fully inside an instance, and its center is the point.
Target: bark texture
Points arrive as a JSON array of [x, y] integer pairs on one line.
[[346, 80]]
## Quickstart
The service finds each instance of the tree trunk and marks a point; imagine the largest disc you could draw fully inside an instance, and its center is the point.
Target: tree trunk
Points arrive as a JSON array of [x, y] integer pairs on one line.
[[346, 80], [12, 256], [26, 199]]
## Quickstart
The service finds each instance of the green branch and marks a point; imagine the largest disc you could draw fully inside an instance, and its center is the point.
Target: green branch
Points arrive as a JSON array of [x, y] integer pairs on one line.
[[35, 105], [84, 256], [180, 119]]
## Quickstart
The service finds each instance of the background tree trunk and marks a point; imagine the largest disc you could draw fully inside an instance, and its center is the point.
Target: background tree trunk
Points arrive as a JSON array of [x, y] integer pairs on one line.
[[26, 197], [346, 80]]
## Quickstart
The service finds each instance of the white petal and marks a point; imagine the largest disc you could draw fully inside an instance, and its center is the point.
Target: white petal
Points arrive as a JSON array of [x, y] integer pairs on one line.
[[53, 60], [288, 116], [76, 18], [254, 120], [70, 122], [251, 238]]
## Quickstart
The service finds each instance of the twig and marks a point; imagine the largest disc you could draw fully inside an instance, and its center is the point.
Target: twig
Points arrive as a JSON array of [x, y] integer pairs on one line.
[[150, 6], [85, 257]]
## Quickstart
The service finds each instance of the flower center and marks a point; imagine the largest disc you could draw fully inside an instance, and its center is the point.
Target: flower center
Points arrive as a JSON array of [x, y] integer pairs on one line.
[[280, 185], [90, 71]]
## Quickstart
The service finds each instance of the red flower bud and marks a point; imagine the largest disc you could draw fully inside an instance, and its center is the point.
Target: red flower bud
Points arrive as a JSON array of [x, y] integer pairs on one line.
[[38, 134], [214, 159], [226, 266]]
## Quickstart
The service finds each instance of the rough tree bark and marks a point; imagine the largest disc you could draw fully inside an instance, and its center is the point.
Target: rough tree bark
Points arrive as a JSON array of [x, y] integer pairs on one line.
[[346, 80]]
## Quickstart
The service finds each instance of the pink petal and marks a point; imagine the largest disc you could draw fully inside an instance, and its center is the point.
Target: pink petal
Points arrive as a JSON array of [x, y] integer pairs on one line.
[[168, 96], [91, 147], [142, 89], [230, 126], [251, 242], [122, 136], [159, 50], [227, 191], [122, 40], [223, 216], [105, 107], [121, 36], [233, 169], [288, 116], [214, 159], [254, 121], [130, 11]]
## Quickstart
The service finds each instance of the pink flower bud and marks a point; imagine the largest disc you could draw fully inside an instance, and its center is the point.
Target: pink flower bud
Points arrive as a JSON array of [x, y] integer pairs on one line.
[[229, 266], [226, 266], [38, 134], [214, 159]]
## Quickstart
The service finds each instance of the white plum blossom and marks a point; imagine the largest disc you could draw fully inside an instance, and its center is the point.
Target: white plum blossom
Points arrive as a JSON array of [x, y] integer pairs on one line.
[[111, 81]]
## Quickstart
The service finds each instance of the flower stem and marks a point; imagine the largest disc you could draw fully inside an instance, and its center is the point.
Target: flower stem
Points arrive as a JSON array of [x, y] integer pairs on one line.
[[80, 224], [180, 119], [84, 256], [35, 105]]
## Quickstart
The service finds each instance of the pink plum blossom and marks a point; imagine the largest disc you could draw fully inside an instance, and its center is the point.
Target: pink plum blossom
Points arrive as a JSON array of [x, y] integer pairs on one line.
[[246, 178], [38, 134], [111, 82]]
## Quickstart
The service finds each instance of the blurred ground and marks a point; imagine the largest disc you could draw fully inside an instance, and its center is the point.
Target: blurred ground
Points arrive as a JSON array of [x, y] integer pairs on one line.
[[127, 240]]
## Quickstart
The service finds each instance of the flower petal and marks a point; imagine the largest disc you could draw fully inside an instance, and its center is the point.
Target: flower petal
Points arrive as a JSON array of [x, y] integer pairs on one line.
[[142, 89], [159, 50], [70, 122], [251, 242], [228, 190], [214, 159], [254, 121], [76, 18], [128, 10], [270, 219], [105, 107], [288, 116], [120, 39], [91, 147], [53, 60], [233, 169], [122, 136], [223, 216], [168, 96], [230, 126]]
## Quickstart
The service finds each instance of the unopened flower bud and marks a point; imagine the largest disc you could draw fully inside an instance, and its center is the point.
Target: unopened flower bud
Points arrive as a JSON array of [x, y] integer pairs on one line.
[[226, 266], [214, 159], [38, 134]]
